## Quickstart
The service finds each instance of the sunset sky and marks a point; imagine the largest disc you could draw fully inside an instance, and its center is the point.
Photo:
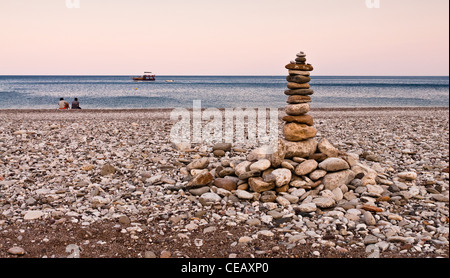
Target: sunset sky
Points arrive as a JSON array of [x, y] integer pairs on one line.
[[226, 37]]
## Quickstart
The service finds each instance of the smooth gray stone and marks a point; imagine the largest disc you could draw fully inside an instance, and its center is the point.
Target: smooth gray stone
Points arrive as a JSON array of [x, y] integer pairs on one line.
[[299, 92]]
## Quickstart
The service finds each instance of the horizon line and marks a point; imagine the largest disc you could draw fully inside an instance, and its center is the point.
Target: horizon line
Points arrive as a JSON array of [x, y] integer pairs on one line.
[[230, 75]]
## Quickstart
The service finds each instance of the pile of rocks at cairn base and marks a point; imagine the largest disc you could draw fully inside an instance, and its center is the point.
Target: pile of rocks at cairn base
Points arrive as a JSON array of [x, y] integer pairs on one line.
[[303, 172]]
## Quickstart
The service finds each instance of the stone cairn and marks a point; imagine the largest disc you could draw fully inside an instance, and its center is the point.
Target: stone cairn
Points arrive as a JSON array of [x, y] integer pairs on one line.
[[299, 125], [303, 172]]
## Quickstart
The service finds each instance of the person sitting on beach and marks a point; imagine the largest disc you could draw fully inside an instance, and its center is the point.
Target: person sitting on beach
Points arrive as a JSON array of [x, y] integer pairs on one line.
[[63, 104], [76, 104]]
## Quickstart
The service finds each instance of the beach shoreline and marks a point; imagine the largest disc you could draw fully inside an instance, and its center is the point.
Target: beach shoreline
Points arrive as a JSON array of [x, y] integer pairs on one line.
[[53, 192], [107, 110]]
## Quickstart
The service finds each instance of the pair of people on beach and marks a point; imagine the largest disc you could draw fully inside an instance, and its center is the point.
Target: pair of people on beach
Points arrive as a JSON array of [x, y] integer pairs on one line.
[[65, 105]]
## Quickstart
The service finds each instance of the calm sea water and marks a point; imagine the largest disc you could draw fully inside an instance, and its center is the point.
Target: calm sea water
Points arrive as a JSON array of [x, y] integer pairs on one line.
[[116, 92]]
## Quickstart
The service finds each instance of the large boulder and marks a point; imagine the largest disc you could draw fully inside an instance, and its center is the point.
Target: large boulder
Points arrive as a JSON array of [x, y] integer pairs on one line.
[[298, 132], [327, 148], [301, 149], [334, 164], [336, 179]]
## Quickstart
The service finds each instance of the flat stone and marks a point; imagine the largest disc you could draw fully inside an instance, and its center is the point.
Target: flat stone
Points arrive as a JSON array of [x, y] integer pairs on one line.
[[327, 148], [199, 191], [334, 164], [395, 217], [299, 92], [307, 67], [283, 201], [375, 189], [250, 174], [410, 176], [295, 86], [308, 207], [228, 184], [260, 165], [258, 185], [300, 149], [228, 171], [306, 167], [241, 194], [282, 189], [319, 157], [298, 192], [288, 166], [337, 194], [370, 239], [317, 174], [397, 239], [219, 153], [282, 176], [324, 202], [253, 222], [245, 239], [336, 179], [300, 79], [18, 251], [297, 109], [291, 198], [268, 197], [296, 99], [201, 180], [198, 164], [440, 197], [223, 147], [298, 132], [32, 215], [243, 167], [303, 119], [372, 208], [369, 219], [266, 233], [209, 198], [299, 72]]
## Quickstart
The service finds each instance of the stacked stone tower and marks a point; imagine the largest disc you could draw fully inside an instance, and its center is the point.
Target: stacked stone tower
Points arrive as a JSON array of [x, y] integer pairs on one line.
[[299, 125]]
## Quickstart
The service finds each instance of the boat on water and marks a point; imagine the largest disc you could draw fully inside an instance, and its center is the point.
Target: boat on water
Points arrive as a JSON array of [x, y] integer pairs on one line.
[[148, 76]]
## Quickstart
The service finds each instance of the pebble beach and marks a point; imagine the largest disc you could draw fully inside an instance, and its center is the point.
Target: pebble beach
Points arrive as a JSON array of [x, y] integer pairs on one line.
[[110, 183]]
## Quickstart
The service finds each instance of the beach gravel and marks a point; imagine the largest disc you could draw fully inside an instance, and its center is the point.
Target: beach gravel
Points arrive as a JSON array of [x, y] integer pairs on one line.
[[112, 184]]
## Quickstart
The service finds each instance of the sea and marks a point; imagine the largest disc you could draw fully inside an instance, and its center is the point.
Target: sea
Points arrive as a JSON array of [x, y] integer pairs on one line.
[[121, 92]]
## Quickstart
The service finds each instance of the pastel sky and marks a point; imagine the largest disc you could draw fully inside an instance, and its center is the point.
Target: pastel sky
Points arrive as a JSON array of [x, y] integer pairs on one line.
[[223, 37]]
